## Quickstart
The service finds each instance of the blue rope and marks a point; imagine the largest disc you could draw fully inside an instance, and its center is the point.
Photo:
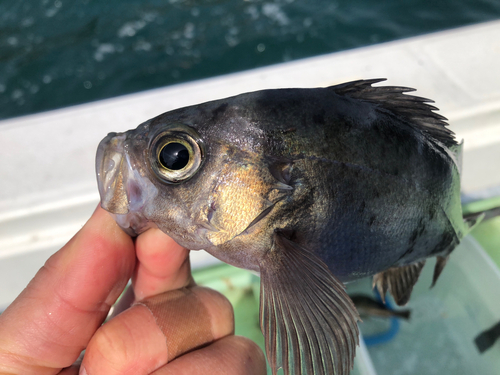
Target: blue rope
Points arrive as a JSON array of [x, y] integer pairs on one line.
[[384, 337]]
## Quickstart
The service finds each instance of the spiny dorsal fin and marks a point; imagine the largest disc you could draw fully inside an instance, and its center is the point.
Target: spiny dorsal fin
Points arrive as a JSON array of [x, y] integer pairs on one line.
[[392, 98], [308, 320], [399, 281]]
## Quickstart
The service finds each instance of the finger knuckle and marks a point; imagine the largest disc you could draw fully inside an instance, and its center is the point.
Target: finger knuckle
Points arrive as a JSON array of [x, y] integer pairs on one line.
[[110, 348]]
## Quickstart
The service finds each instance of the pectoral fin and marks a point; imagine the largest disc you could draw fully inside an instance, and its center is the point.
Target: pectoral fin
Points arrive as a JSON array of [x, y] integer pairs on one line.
[[399, 281], [308, 320]]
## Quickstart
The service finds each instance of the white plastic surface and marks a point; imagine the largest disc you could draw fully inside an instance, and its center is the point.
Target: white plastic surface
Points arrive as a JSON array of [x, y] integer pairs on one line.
[[439, 337]]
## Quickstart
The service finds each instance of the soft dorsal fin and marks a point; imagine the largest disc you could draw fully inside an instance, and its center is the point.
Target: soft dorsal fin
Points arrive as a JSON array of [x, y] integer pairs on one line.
[[392, 98]]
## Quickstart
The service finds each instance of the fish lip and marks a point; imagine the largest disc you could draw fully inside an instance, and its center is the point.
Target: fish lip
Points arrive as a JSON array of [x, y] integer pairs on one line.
[[133, 223], [109, 159], [124, 191]]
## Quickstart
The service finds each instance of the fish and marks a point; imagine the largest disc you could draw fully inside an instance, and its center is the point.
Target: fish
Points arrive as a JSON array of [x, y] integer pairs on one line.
[[310, 187], [369, 306]]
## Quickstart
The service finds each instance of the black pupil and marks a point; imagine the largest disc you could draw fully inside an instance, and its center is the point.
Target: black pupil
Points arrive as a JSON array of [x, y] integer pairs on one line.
[[174, 156]]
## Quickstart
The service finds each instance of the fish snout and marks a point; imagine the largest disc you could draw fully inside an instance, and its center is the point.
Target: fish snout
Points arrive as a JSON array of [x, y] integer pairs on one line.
[[124, 190]]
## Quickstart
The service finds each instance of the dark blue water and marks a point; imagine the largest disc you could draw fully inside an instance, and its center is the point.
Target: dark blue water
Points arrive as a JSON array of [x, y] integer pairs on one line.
[[58, 53]]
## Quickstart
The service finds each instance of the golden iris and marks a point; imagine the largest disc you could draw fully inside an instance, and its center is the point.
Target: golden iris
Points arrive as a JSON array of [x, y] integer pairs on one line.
[[177, 153]]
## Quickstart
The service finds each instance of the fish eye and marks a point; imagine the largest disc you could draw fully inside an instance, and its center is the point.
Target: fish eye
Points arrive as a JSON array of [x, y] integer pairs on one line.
[[176, 153], [174, 156]]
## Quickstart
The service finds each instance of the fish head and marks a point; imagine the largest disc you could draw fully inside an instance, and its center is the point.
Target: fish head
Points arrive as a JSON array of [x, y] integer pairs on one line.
[[134, 172], [194, 180]]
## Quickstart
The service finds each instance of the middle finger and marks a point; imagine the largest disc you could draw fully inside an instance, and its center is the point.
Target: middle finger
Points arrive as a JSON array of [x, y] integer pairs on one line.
[[158, 330], [162, 265]]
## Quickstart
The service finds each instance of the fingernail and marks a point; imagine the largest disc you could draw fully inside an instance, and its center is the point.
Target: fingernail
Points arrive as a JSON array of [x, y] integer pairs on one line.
[[82, 371]]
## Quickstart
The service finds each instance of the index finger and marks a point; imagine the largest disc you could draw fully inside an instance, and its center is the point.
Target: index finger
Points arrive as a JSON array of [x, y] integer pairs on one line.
[[163, 265], [53, 319]]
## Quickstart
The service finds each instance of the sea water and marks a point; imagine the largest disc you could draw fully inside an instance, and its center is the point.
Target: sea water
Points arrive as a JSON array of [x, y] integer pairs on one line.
[[56, 53]]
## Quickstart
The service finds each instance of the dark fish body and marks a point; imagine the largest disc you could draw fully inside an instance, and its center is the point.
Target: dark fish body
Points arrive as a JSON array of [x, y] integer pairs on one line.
[[311, 187]]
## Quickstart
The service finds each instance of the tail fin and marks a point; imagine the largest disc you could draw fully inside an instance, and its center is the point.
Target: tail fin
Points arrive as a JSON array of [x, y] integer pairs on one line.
[[488, 214], [457, 152], [473, 219]]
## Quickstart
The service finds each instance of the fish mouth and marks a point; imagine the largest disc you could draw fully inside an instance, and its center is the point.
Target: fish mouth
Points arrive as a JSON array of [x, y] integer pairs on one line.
[[133, 223], [125, 192]]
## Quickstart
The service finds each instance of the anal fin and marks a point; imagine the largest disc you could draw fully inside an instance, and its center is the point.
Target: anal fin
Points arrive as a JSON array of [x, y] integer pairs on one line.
[[308, 320], [399, 281], [438, 268]]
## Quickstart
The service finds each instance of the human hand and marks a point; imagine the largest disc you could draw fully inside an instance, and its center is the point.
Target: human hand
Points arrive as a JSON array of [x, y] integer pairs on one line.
[[61, 311]]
